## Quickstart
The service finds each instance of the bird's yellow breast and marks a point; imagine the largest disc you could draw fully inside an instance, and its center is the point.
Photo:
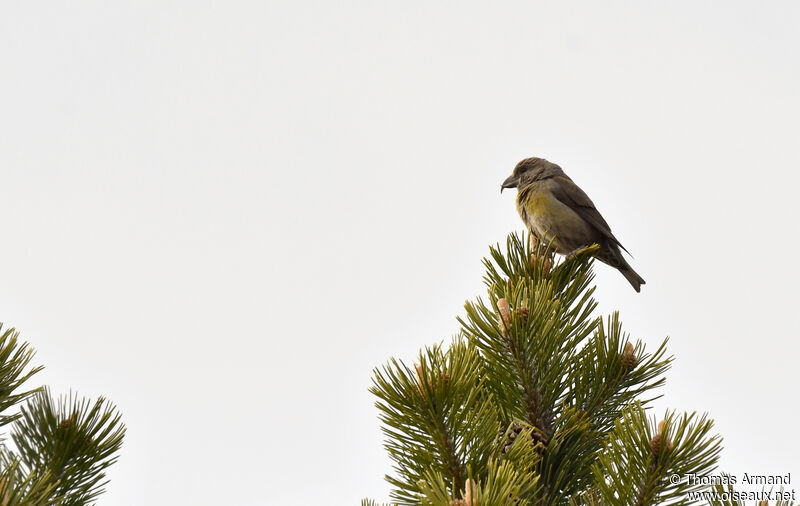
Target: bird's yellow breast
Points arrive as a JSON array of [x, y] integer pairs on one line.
[[552, 220], [536, 204]]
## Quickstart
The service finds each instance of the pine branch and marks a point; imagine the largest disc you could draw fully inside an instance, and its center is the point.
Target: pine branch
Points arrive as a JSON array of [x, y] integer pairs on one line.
[[537, 366], [18, 488], [528, 349], [610, 372], [14, 359], [533, 403], [504, 485], [69, 443], [639, 457], [510, 478], [437, 418]]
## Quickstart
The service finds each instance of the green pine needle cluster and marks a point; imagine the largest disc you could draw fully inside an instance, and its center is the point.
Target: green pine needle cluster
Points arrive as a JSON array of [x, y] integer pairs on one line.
[[61, 448], [536, 401]]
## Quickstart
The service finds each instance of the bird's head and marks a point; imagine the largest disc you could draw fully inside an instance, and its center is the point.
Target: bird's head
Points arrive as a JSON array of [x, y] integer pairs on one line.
[[529, 171]]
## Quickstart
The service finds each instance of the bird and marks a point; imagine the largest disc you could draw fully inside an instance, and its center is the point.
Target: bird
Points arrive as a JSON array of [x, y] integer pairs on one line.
[[558, 212]]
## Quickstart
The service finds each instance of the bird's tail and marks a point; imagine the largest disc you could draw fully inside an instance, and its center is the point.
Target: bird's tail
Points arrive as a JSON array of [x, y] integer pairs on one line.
[[633, 278], [611, 255]]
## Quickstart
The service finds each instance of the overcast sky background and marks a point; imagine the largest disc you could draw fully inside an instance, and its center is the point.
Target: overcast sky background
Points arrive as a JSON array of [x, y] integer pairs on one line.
[[223, 215]]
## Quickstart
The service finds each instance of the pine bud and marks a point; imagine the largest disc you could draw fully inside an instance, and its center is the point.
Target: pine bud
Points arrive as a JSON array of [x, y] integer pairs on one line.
[[522, 312], [469, 491], [539, 438], [420, 381], [534, 242], [443, 379], [514, 431], [5, 493], [65, 423], [629, 359], [655, 443], [546, 264], [546, 260], [505, 314]]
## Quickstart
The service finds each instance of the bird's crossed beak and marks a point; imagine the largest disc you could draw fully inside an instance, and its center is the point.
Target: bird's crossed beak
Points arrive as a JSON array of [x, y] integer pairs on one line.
[[511, 182]]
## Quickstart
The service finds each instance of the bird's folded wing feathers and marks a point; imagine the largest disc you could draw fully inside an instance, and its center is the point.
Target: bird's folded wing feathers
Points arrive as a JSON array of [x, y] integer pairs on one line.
[[570, 194]]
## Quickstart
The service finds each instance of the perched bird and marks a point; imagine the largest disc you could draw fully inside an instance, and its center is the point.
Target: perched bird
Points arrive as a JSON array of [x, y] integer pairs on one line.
[[558, 212]]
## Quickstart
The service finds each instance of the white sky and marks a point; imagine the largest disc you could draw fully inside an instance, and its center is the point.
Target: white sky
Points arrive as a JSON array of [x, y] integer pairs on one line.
[[223, 215]]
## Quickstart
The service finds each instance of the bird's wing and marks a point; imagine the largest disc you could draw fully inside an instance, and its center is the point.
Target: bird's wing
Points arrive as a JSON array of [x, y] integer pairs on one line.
[[570, 194]]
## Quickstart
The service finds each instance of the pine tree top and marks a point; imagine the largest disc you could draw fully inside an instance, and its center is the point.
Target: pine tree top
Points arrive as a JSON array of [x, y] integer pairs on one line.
[[537, 400]]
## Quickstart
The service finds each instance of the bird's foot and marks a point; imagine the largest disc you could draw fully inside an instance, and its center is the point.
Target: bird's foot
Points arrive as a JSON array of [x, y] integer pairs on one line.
[[574, 253]]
